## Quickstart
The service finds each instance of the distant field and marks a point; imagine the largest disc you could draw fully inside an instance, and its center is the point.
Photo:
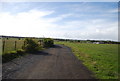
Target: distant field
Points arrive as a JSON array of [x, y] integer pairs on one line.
[[102, 59]]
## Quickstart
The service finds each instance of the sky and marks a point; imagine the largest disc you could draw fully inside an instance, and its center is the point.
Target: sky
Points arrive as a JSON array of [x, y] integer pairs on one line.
[[68, 20]]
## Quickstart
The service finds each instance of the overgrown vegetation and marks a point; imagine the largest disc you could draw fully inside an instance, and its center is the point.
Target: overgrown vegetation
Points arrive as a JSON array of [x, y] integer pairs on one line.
[[12, 54], [23, 46], [31, 46], [48, 42], [102, 59]]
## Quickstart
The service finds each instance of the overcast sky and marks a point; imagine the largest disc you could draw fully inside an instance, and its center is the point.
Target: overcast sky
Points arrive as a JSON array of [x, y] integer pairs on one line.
[[74, 20]]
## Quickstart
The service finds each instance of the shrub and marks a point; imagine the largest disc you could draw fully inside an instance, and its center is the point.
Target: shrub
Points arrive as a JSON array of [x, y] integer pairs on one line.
[[30, 46], [48, 42]]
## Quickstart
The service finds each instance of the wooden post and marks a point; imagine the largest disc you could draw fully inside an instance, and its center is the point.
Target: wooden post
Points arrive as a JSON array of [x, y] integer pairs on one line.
[[15, 44], [40, 42], [24, 43], [3, 49]]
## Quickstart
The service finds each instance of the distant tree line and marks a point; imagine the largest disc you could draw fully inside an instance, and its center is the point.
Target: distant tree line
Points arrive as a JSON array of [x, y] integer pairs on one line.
[[88, 41], [68, 40]]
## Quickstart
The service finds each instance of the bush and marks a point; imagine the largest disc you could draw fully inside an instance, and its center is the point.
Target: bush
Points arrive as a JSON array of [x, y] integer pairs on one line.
[[48, 42], [30, 46]]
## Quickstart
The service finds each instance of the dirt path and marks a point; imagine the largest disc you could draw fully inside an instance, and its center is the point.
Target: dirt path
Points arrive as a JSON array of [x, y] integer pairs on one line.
[[53, 63]]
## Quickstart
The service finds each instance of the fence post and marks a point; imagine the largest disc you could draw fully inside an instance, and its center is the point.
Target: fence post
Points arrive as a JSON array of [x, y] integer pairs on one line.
[[15, 44], [3, 46], [40, 42], [24, 43]]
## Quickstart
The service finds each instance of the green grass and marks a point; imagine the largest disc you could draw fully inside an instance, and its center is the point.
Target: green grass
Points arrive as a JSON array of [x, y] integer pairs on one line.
[[10, 44], [12, 55], [10, 52], [101, 59]]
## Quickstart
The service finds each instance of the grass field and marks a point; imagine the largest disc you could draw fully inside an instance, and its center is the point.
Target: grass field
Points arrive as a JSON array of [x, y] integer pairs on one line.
[[102, 59]]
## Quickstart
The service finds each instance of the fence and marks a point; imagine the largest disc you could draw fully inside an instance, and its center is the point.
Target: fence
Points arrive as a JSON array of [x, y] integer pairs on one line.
[[12, 44]]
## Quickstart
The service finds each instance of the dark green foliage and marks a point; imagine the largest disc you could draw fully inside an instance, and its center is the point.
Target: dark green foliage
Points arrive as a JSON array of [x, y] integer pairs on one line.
[[20, 52], [31, 46], [48, 42]]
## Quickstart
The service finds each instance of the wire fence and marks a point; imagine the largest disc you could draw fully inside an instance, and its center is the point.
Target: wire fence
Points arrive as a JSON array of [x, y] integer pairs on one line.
[[11, 45]]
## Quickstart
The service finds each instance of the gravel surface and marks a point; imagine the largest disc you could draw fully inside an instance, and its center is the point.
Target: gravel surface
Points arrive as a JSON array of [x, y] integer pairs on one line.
[[57, 62]]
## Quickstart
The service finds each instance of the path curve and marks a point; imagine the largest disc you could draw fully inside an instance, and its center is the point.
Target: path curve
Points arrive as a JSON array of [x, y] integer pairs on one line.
[[57, 62]]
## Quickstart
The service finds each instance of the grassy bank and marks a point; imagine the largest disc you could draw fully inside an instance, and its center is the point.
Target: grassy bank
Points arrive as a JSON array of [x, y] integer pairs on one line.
[[12, 55], [102, 59]]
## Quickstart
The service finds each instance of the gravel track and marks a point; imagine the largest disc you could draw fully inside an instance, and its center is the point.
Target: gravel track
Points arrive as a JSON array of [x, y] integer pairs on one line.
[[57, 62]]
